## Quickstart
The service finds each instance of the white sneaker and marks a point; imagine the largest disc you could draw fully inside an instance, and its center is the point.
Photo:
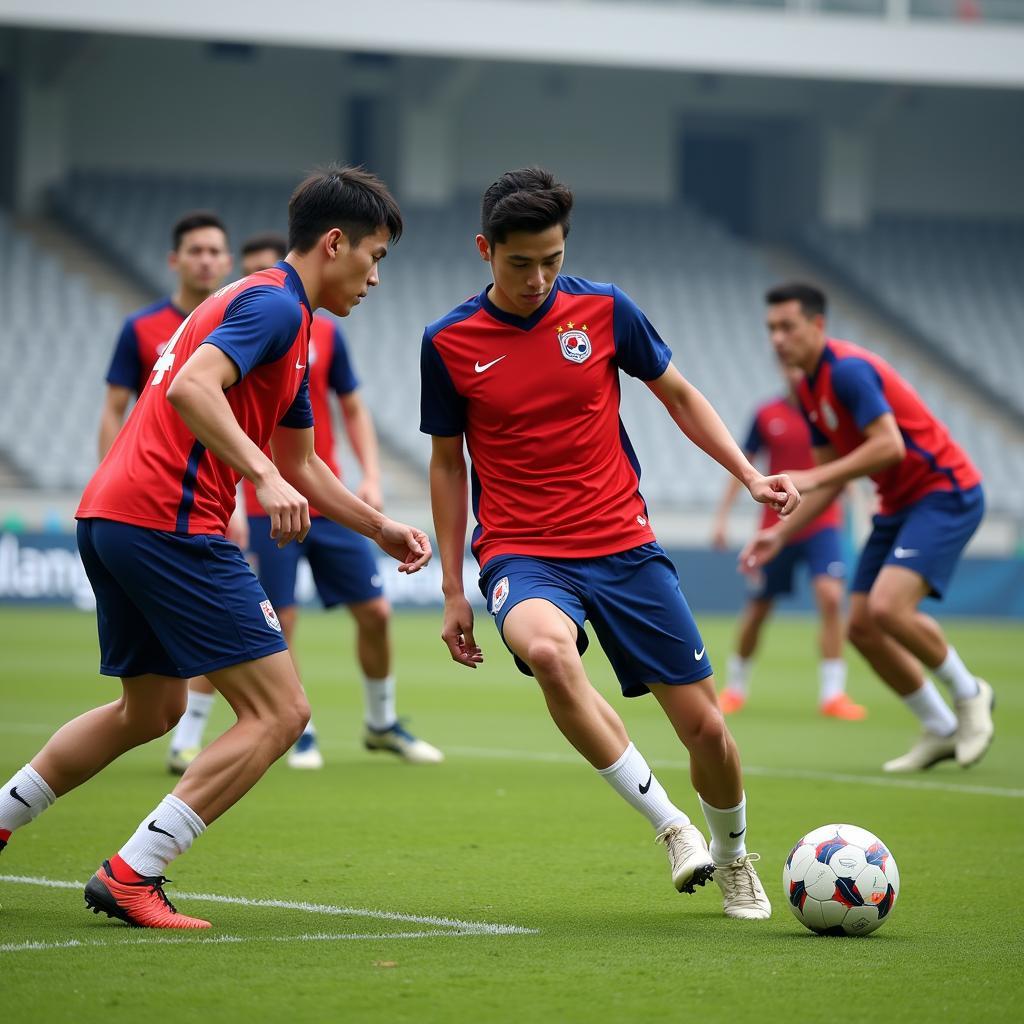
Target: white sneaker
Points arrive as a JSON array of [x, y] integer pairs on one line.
[[305, 754], [688, 856], [397, 740], [974, 730], [928, 750], [179, 760], [742, 893]]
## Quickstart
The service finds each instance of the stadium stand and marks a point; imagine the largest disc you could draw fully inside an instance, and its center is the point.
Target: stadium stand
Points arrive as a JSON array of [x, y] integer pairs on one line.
[[699, 285]]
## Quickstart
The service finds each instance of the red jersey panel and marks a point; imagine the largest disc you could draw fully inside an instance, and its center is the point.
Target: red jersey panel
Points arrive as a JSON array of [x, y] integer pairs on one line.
[[852, 387], [157, 474], [330, 369], [553, 472], [142, 340], [780, 430]]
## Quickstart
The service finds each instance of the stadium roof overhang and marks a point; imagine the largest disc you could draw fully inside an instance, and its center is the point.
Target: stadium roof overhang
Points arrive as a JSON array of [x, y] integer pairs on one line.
[[629, 35]]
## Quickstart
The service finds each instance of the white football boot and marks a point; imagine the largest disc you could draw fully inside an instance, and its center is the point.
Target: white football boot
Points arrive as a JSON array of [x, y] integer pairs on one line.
[[688, 856], [928, 750], [397, 740], [743, 896], [974, 729]]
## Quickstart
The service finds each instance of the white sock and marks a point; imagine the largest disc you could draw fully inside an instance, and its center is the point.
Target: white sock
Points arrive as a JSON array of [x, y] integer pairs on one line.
[[633, 780], [738, 674], [25, 796], [832, 677], [728, 830], [931, 710], [163, 835], [954, 673], [188, 733], [380, 702]]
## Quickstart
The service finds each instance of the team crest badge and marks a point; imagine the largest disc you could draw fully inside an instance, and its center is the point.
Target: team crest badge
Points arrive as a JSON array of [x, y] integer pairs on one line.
[[499, 595], [270, 615], [575, 343], [828, 414]]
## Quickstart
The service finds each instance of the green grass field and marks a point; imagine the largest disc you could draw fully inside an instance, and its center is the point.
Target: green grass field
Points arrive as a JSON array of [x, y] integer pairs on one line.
[[513, 830]]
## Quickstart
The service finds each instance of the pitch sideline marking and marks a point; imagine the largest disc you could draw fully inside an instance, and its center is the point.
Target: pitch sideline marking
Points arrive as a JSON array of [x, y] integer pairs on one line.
[[441, 926]]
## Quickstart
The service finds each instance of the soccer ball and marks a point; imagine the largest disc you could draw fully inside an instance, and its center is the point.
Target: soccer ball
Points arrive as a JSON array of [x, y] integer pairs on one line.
[[841, 880]]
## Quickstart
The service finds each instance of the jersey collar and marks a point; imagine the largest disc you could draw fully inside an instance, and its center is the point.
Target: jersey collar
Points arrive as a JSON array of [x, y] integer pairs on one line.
[[292, 276], [826, 357], [526, 323]]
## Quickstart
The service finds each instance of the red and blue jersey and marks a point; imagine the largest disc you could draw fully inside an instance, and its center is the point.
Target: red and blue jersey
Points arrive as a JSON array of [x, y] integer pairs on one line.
[[850, 388], [157, 474], [537, 398], [330, 369], [142, 340], [780, 431]]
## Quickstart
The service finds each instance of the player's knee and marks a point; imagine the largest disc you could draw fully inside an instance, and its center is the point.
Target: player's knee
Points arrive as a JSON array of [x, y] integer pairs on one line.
[[295, 719], [550, 659], [373, 616], [708, 735], [885, 613]]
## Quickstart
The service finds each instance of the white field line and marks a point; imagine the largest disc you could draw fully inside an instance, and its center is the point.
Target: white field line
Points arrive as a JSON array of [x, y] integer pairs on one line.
[[441, 926]]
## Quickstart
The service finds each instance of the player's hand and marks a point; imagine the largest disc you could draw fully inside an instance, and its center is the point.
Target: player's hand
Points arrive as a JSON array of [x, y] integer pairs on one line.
[[370, 492], [457, 632], [760, 550], [288, 510], [718, 538], [410, 546], [238, 529], [777, 492]]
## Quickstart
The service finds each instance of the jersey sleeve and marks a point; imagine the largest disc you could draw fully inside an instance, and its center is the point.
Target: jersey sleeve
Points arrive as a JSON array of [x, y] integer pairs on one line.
[[858, 386], [442, 408], [299, 415], [754, 442], [125, 366], [259, 326], [342, 377], [639, 350]]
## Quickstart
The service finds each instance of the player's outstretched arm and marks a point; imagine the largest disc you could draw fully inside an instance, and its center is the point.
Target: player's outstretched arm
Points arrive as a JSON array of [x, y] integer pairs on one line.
[[449, 499], [311, 476], [718, 532], [362, 436], [115, 404]]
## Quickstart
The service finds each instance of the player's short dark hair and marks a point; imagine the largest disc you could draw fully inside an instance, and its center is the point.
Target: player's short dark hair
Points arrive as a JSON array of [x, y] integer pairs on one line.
[[812, 300], [350, 198], [528, 199], [192, 221], [268, 240]]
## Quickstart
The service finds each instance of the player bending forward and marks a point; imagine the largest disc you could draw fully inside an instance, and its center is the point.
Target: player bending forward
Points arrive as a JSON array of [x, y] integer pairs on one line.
[[526, 375], [176, 599]]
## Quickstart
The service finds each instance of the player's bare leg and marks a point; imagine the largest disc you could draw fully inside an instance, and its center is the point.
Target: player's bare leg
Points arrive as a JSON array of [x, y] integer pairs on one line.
[[893, 606], [718, 778], [187, 739], [832, 698], [544, 637], [737, 684]]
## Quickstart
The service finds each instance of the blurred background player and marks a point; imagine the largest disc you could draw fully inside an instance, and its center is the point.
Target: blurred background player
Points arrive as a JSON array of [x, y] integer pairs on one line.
[[866, 420], [526, 376], [779, 430], [344, 567]]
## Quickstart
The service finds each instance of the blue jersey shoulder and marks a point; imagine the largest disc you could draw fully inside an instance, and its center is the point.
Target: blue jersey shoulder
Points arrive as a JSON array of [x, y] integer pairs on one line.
[[581, 286], [461, 312], [154, 307]]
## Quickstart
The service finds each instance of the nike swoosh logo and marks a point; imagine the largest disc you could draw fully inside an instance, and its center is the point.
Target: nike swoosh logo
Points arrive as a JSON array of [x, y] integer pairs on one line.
[[905, 552], [153, 828], [736, 835], [643, 789], [17, 796], [700, 656], [487, 366], [299, 366]]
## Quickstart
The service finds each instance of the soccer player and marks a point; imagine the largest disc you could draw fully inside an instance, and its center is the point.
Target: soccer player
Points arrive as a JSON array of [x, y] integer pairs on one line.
[[526, 376], [200, 258], [779, 429], [344, 568], [175, 599], [866, 420]]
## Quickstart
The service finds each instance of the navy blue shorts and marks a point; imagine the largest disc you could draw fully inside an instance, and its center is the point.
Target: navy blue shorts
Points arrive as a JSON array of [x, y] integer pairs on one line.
[[172, 603], [928, 537], [632, 599], [343, 563], [822, 553]]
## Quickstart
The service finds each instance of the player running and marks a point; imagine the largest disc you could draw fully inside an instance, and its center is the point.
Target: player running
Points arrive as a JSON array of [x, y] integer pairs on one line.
[[175, 599], [526, 375], [866, 420], [779, 429], [344, 567]]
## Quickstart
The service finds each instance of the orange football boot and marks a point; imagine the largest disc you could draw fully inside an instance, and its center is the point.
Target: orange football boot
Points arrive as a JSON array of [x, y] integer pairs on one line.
[[731, 701], [840, 706], [140, 904]]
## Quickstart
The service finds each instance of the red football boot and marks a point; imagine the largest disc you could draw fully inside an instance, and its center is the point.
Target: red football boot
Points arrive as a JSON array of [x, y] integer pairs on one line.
[[141, 904]]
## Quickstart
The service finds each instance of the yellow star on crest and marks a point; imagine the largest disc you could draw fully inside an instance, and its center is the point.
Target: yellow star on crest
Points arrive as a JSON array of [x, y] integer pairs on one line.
[[571, 325]]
